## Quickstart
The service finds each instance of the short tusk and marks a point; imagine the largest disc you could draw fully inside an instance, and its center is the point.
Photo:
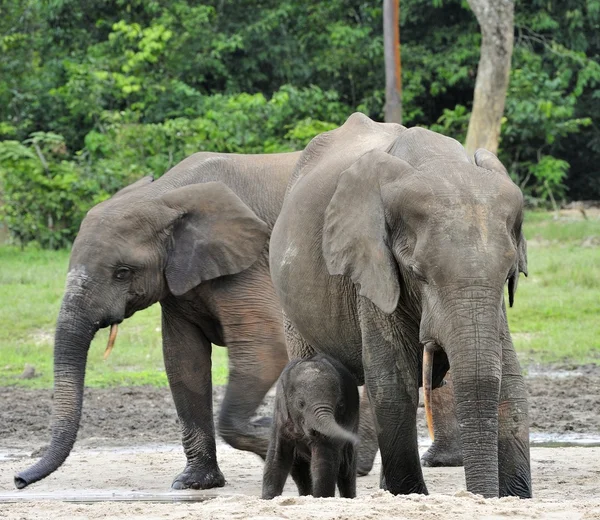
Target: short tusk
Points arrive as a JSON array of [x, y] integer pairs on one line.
[[111, 340], [427, 371]]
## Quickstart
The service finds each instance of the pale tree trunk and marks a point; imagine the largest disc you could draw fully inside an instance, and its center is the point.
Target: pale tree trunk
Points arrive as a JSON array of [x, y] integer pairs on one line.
[[495, 18], [393, 70]]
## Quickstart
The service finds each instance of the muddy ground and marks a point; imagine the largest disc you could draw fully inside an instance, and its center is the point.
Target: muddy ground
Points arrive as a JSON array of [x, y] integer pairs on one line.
[[128, 446]]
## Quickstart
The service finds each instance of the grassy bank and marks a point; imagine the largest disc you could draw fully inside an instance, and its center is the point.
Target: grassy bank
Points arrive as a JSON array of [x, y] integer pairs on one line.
[[556, 316]]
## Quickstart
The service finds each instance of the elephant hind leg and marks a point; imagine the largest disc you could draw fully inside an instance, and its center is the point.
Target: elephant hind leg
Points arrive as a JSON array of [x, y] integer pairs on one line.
[[446, 449], [368, 436], [257, 356]]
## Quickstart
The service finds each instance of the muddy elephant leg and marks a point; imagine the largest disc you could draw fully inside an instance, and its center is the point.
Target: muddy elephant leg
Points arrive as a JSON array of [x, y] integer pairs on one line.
[[391, 363], [187, 356], [514, 469], [254, 337], [368, 436], [446, 449], [325, 466]]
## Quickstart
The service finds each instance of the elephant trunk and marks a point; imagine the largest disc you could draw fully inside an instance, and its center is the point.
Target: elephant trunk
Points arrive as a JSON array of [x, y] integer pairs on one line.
[[324, 423], [72, 341], [474, 351]]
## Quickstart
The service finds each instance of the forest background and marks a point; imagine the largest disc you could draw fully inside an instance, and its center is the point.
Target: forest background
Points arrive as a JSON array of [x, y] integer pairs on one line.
[[96, 94]]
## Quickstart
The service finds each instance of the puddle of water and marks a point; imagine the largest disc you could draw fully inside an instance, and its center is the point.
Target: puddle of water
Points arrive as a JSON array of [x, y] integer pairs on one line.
[[548, 440], [554, 374], [91, 496], [564, 440]]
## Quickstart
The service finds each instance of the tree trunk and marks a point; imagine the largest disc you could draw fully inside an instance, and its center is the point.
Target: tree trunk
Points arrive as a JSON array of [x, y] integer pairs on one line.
[[393, 69], [495, 18]]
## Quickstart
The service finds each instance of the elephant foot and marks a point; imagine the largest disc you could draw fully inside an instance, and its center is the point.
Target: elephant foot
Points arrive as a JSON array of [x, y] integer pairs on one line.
[[194, 477], [440, 455]]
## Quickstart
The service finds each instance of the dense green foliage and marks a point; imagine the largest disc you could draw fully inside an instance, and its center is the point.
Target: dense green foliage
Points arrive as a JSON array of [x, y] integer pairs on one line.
[[96, 94]]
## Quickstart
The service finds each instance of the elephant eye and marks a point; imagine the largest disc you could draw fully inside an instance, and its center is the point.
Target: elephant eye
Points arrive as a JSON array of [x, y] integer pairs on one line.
[[418, 273], [301, 404], [123, 274]]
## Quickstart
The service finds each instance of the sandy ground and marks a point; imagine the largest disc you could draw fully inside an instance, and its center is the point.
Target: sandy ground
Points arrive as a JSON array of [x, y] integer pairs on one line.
[[566, 485], [128, 452]]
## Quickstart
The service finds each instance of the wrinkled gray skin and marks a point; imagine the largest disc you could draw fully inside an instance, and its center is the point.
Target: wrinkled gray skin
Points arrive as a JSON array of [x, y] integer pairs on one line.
[[314, 432], [195, 240], [389, 239]]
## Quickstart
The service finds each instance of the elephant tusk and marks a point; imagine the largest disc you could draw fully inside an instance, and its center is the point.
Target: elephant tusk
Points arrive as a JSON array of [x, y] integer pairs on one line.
[[111, 340], [427, 371]]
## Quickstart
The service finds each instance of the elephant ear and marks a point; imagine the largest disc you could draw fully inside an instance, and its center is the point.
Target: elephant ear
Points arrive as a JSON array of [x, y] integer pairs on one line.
[[520, 267], [486, 159], [140, 183], [355, 235], [215, 235]]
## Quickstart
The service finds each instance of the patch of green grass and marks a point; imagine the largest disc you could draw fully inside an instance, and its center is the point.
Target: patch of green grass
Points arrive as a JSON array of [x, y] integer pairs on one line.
[[556, 316]]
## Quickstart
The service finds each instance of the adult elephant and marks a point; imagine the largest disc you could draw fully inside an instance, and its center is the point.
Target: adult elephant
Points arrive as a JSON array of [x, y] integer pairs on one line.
[[195, 240], [391, 242]]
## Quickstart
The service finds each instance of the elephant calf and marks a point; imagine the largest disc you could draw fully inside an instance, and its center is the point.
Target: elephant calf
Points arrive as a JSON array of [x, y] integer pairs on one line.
[[314, 430]]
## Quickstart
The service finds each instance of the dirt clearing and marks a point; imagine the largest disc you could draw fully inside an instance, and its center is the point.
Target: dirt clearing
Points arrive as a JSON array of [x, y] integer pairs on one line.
[[128, 448]]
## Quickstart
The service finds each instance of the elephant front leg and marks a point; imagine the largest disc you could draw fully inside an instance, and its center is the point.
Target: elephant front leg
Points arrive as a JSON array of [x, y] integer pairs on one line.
[[347, 474], [514, 468], [187, 355], [391, 365], [278, 463], [324, 467]]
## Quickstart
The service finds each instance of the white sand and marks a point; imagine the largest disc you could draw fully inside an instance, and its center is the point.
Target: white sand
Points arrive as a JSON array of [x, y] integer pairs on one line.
[[566, 485]]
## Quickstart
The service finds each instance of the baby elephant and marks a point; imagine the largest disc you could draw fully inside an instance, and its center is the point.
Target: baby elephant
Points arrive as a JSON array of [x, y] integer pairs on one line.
[[314, 431]]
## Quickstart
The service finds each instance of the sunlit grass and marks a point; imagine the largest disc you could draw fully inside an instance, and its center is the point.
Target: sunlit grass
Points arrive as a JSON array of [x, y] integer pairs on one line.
[[556, 316]]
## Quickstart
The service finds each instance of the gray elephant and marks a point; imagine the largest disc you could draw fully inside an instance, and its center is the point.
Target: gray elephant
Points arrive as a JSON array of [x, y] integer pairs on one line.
[[314, 431], [390, 244], [195, 240]]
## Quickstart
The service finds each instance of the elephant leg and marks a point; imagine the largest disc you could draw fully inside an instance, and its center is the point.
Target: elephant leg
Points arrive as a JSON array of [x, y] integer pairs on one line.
[[325, 466], [446, 449], [347, 475], [368, 436], [187, 355], [514, 469], [257, 355], [391, 362], [301, 475], [278, 463]]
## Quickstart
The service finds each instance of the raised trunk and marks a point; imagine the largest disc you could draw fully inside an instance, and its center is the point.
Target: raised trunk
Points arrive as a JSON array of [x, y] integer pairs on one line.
[[474, 351], [326, 425], [72, 341]]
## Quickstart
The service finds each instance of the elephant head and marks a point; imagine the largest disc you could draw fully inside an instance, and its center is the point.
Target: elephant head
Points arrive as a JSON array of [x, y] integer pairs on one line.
[[316, 391], [146, 242], [429, 229]]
